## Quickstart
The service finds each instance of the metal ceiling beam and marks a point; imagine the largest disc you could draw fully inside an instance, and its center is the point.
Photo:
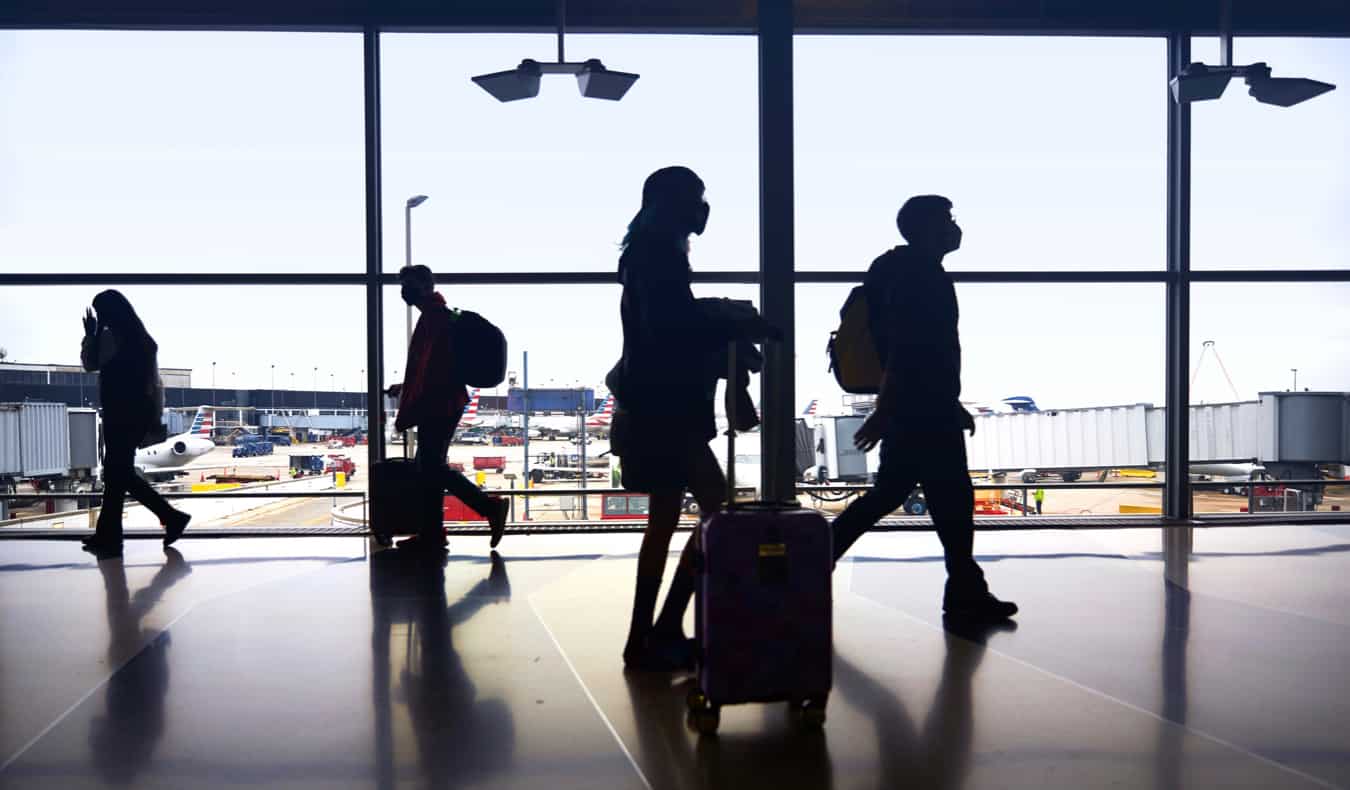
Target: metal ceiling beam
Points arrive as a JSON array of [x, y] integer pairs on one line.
[[1020, 17]]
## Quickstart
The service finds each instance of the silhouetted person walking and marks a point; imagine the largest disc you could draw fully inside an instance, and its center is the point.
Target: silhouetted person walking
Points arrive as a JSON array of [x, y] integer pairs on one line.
[[126, 358], [432, 399], [918, 417], [664, 387]]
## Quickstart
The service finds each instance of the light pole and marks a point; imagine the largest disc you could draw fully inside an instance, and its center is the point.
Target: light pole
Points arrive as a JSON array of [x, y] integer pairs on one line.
[[413, 202], [213, 383], [316, 388], [274, 387], [1295, 372]]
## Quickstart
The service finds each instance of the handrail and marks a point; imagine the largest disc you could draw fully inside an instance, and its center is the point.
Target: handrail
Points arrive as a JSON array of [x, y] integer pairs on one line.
[[546, 492], [200, 495]]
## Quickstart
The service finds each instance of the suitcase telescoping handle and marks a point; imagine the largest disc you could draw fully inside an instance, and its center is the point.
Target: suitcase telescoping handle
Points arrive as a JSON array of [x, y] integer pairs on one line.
[[730, 401]]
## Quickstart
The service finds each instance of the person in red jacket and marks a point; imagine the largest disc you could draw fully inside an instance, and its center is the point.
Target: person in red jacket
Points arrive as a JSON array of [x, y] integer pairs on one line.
[[432, 399]]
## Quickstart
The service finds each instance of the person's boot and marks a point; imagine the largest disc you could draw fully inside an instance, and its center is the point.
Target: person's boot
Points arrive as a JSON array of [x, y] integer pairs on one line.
[[173, 528], [976, 605], [430, 542], [103, 548], [497, 521]]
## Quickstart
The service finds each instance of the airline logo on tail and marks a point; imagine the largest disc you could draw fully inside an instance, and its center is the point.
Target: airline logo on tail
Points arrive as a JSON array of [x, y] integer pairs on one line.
[[204, 423], [811, 408], [605, 415], [471, 411]]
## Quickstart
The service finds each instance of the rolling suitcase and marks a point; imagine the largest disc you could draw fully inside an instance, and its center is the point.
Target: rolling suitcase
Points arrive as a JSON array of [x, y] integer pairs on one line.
[[401, 499], [763, 608]]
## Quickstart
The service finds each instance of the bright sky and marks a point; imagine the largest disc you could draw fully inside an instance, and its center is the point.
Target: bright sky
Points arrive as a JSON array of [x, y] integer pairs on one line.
[[196, 151]]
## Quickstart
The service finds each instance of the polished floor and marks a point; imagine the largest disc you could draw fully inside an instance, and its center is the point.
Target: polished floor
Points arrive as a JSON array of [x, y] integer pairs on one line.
[[308, 663]]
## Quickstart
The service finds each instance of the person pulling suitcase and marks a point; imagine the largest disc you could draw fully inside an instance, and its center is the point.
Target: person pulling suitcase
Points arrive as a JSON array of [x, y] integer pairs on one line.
[[432, 397], [663, 388]]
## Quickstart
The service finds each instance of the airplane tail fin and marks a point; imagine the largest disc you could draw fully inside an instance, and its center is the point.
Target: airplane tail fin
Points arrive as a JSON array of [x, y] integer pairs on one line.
[[810, 410], [471, 410], [605, 415], [204, 423]]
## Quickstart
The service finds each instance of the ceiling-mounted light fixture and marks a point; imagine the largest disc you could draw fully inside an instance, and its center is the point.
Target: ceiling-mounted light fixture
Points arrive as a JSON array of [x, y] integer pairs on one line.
[[1199, 82], [593, 79]]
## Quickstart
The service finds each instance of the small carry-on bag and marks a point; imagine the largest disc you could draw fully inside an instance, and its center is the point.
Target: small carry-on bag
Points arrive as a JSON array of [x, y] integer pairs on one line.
[[764, 607], [402, 500]]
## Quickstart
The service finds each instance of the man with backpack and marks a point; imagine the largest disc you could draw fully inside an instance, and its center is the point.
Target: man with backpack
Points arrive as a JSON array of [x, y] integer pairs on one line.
[[912, 314], [432, 397]]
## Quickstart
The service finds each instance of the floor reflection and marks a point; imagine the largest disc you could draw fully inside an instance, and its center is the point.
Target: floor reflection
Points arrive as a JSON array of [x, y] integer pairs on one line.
[[778, 754], [419, 678], [1176, 635], [938, 754], [123, 739]]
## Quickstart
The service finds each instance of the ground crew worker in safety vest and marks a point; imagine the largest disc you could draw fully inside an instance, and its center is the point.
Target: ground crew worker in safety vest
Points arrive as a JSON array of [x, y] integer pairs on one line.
[[1039, 495]]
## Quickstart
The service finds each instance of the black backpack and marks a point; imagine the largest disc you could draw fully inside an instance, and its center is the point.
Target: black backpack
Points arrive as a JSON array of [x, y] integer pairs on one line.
[[479, 348]]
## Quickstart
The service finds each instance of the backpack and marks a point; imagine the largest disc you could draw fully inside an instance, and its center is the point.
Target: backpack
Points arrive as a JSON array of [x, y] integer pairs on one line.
[[480, 350], [852, 352]]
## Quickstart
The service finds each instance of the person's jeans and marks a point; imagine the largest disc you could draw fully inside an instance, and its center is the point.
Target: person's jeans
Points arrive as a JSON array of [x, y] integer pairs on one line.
[[937, 460], [433, 439], [120, 479]]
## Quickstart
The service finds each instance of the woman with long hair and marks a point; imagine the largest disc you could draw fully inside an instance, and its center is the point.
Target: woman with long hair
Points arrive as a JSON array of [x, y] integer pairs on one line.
[[664, 387], [126, 358]]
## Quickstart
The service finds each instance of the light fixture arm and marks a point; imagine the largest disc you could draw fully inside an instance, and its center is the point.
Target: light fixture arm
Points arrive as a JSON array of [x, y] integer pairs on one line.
[[562, 28], [1226, 33]]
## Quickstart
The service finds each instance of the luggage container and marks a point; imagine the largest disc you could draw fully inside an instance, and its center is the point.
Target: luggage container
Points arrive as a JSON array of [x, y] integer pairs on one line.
[[83, 440], [11, 461], [42, 434]]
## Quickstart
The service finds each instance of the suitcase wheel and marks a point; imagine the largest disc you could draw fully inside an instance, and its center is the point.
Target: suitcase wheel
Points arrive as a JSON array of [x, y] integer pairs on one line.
[[809, 714], [696, 700], [703, 716], [704, 722]]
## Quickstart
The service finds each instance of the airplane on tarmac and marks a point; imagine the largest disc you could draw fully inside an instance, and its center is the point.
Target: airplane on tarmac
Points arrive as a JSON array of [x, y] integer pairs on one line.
[[541, 426], [566, 426], [178, 451], [1014, 404]]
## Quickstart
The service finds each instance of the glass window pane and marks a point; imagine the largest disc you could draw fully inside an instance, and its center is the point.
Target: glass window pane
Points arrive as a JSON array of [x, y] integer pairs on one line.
[[288, 371], [1065, 382], [246, 154], [1270, 395], [550, 183], [1271, 185], [573, 337], [1053, 150]]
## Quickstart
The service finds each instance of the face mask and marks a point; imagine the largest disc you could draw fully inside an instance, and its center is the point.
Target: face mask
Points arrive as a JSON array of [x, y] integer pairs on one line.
[[409, 293], [701, 218]]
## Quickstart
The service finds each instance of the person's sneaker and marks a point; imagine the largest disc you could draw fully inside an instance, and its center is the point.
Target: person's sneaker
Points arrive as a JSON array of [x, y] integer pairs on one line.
[[662, 653], [981, 607], [424, 542], [497, 521], [173, 528]]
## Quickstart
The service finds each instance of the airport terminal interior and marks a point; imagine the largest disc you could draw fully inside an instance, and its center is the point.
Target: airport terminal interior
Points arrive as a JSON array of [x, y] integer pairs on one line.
[[1152, 277]]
